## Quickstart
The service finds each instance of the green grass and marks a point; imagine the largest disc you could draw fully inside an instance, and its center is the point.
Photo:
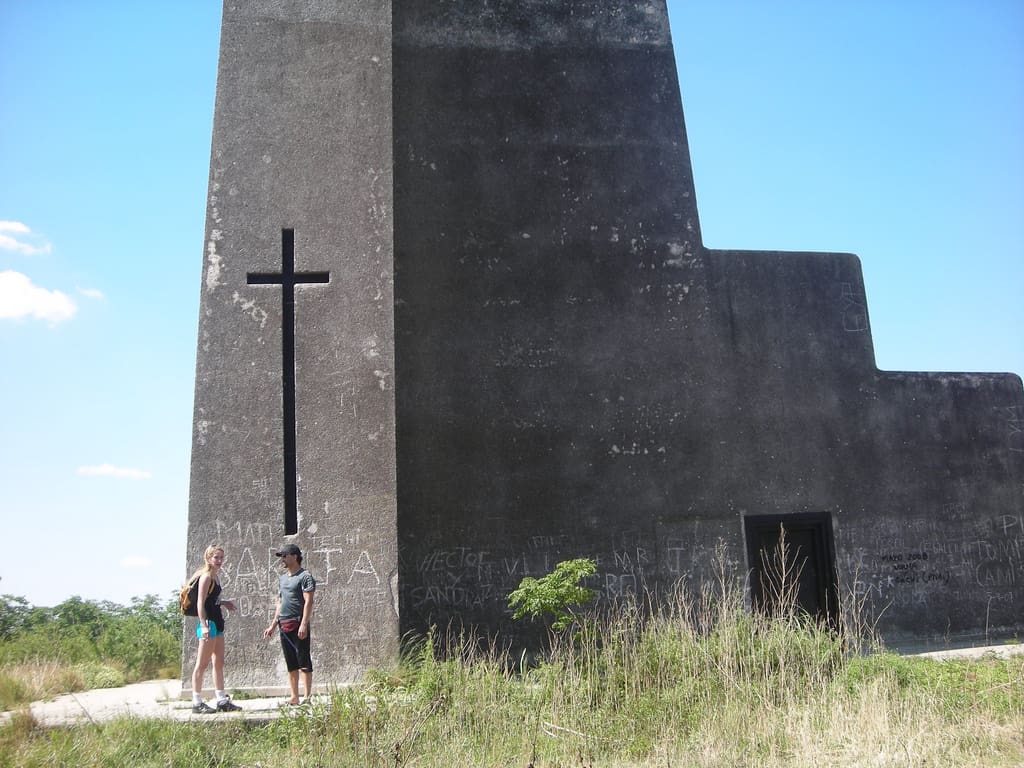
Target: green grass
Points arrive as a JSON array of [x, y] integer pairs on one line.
[[83, 644], [701, 683]]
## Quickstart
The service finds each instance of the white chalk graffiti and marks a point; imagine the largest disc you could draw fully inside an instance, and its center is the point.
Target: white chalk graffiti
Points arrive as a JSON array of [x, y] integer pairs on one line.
[[363, 568], [854, 310], [1015, 422], [244, 532], [251, 573]]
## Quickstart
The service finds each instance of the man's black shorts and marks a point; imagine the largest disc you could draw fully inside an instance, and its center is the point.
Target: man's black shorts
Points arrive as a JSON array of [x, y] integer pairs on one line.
[[296, 651]]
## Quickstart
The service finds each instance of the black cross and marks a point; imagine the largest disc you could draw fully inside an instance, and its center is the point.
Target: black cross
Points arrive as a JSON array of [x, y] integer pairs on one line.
[[287, 278]]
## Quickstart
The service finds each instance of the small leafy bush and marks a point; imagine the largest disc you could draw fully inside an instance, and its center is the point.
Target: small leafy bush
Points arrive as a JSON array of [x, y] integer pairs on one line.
[[556, 594], [97, 675]]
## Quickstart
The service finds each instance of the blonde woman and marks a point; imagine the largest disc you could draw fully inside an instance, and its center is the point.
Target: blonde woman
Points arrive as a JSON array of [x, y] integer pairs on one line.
[[210, 631]]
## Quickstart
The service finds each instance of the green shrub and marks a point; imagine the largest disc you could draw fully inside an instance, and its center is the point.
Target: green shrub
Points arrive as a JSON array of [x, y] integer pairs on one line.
[[69, 645], [143, 647], [117, 643], [555, 595], [98, 675]]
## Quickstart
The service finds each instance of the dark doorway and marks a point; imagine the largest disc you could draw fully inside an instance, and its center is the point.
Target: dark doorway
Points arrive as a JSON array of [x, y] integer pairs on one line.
[[792, 564]]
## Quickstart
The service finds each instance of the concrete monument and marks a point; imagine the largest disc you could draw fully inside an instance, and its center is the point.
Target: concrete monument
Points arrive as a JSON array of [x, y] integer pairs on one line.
[[294, 435], [457, 324]]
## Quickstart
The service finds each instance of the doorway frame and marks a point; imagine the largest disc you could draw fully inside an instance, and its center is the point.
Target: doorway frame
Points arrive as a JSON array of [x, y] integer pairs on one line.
[[820, 523]]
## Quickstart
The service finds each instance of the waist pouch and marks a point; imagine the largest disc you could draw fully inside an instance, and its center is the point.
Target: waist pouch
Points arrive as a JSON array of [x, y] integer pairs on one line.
[[289, 625]]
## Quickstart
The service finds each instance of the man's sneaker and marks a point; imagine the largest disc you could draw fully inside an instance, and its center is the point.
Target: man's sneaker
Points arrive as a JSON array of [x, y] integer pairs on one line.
[[227, 705], [202, 708]]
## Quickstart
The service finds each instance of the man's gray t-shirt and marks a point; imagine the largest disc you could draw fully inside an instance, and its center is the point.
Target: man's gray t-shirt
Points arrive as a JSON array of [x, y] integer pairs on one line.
[[291, 589]]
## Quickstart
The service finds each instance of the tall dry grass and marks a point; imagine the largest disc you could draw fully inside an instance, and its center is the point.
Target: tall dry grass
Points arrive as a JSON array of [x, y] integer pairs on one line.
[[699, 680], [694, 680], [37, 680]]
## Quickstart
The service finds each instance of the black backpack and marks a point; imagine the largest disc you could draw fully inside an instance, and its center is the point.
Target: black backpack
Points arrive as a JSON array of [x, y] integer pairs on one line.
[[189, 598]]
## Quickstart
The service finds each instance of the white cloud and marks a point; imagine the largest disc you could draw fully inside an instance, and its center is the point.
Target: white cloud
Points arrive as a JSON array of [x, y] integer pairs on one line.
[[135, 562], [15, 236], [108, 470], [92, 293], [19, 299]]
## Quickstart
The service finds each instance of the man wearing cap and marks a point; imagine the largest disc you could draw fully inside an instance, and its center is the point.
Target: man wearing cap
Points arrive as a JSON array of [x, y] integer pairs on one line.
[[292, 615]]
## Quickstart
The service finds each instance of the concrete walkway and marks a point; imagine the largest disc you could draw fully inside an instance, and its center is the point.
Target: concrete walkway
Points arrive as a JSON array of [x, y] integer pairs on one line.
[[996, 651], [153, 699], [162, 698]]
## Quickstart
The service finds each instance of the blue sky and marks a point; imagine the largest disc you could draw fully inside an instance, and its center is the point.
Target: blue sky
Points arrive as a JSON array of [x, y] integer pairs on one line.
[[893, 130]]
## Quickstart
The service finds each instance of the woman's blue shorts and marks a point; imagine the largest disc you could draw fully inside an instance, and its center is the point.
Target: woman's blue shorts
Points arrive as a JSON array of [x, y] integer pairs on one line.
[[213, 630]]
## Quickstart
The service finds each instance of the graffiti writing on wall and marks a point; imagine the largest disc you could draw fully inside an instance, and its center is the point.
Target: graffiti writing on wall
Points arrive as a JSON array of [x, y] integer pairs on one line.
[[464, 578], [854, 309], [1014, 417], [952, 555], [911, 568], [348, 564]]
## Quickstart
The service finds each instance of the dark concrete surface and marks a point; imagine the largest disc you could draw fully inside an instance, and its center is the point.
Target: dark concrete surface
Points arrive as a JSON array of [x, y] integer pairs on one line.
[[525, 353]]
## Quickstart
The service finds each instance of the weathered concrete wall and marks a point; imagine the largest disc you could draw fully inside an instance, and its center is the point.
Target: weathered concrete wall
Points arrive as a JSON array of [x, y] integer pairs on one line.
[[302, 141], [562, 369], [922, 473], [578, 376], [547, 277]]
